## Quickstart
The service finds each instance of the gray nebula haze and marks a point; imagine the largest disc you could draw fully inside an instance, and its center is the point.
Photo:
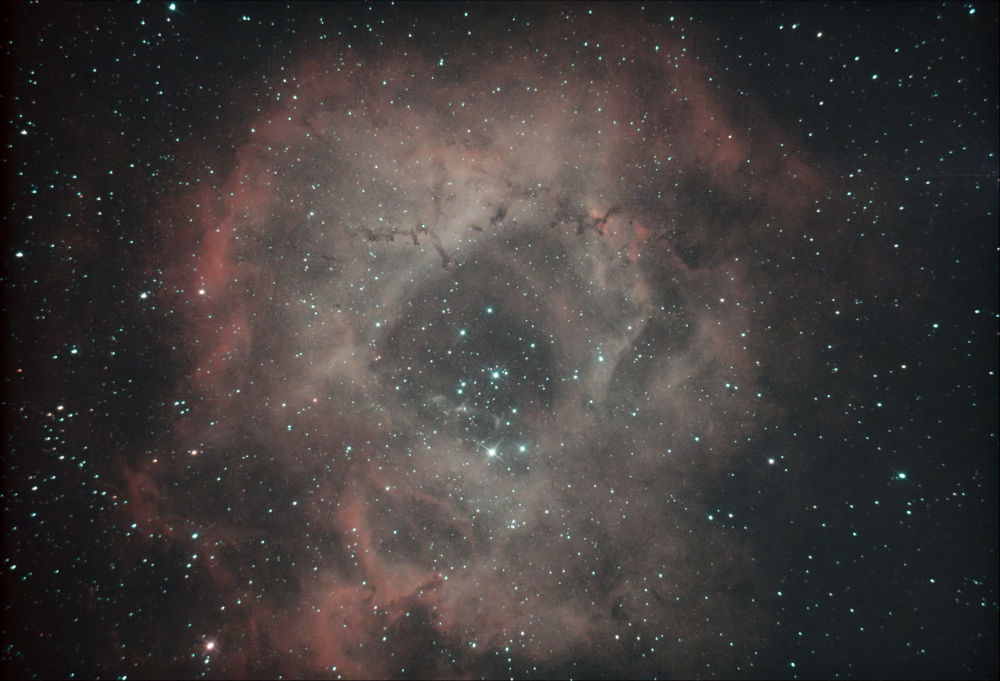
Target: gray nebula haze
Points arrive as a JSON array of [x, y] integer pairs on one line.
[[475, 336]]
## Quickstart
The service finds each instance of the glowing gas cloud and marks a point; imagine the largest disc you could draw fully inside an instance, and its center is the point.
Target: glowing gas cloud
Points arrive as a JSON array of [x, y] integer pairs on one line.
[[473, 338]]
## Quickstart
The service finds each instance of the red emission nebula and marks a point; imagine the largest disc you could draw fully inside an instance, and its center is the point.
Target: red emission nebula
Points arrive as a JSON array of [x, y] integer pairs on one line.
[[469, 339]]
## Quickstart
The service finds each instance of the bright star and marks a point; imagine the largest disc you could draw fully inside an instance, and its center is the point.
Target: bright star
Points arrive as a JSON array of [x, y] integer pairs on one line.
[[492, 452]]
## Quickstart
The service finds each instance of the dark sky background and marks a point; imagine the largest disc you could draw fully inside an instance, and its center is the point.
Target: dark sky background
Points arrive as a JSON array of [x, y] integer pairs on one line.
[[529, 341]]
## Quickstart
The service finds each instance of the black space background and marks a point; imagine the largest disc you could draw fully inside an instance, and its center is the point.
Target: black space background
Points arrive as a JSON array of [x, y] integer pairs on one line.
[[78, 78]]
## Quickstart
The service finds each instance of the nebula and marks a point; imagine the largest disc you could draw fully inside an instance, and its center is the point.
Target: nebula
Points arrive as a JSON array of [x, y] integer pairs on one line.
[[472, 338]]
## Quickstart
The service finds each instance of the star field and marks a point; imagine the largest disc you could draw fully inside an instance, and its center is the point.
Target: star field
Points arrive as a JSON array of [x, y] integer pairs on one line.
[[481, 341]]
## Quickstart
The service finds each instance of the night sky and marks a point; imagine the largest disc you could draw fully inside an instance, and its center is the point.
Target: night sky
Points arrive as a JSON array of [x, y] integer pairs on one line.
[[479, 341]]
